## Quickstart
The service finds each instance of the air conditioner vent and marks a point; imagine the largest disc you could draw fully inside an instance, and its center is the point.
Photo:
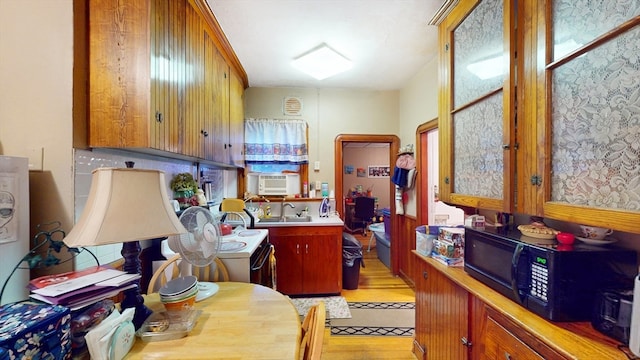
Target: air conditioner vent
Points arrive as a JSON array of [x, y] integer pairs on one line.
[[292, 106]]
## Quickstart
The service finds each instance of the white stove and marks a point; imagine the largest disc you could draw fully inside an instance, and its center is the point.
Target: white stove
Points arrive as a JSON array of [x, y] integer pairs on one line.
[[240, 251]]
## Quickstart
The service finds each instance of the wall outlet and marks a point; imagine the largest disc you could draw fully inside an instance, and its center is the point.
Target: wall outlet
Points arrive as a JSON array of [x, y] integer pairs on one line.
[[318, 185]]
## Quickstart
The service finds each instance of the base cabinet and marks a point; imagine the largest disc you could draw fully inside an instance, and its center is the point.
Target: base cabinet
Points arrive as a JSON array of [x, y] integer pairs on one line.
[[442, 307], [308, 259], [451, 323], [458, 317]]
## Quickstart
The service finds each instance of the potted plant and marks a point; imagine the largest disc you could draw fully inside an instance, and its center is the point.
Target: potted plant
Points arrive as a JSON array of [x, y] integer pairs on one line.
[[184, 188]]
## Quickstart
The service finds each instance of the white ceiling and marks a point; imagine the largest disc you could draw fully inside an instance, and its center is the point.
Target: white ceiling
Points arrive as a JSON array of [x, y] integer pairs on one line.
[[388, 40]]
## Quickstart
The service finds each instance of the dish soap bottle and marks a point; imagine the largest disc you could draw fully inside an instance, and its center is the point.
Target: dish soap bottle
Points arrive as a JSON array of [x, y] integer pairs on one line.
[[260, 211]]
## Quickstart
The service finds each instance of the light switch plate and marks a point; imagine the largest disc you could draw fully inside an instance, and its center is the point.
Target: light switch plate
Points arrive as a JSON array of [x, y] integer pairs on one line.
[[316, 166]]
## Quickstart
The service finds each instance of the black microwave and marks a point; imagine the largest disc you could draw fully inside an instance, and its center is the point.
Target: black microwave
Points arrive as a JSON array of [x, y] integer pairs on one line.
[[557, 283]]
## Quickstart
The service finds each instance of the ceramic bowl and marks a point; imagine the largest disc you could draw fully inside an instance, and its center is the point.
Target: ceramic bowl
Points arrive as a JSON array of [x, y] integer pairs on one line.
[[185, 304], [179, 297], [596, 233], [178, 286]]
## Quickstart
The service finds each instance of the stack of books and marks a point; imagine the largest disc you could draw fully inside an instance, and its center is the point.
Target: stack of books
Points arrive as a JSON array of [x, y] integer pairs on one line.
[[78, 289]]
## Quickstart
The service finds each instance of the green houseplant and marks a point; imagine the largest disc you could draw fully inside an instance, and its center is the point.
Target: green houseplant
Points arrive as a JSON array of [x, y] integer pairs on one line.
[[184, 188]]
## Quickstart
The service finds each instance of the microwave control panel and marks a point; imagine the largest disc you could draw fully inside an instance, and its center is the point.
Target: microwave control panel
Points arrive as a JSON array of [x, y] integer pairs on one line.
[[539, 284]]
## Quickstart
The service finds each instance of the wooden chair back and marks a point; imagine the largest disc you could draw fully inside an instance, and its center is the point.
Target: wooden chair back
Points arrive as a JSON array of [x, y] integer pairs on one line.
[[313, 332], [211, 272]]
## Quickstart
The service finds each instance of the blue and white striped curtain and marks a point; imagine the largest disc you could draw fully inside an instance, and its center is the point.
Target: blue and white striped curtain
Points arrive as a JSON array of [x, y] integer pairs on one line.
[[272, 140]]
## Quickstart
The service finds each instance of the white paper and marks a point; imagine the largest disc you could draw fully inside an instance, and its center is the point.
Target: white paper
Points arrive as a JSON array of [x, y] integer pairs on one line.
[[78, 283]]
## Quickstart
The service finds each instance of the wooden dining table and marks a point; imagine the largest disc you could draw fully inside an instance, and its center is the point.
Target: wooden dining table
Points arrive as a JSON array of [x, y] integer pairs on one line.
[[241, 321]]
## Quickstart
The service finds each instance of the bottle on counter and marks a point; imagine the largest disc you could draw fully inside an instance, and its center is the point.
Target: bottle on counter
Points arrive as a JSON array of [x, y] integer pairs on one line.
[[305, 190]]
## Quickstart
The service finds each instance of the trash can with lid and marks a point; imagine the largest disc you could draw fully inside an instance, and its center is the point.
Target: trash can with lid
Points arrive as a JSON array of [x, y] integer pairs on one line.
[[351, 261]]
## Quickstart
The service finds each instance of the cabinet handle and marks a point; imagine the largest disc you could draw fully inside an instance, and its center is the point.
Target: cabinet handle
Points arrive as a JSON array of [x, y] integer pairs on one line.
[[425, 274], [297, 249], [506, 146], [465, 341], [229, 146], [159, 116], [446, 179], [306, 248], [507, 356], [205, 133]]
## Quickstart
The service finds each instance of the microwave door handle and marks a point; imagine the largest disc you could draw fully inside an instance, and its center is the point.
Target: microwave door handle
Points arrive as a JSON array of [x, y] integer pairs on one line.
[[515, 261]]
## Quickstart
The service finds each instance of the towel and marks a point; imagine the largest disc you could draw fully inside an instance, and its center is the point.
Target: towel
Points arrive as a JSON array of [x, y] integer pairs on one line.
[[400, 176]]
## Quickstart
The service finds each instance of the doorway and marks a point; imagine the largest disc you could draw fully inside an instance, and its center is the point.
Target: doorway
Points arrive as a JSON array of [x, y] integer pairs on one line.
[[394, 144]]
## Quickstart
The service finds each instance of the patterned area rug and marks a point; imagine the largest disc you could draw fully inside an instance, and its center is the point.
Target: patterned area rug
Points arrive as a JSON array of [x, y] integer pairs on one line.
[[377, 319], [337, 307]]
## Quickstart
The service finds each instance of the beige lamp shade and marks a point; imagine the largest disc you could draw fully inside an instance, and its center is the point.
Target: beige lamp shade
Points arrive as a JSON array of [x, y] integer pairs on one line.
[[125, 204]]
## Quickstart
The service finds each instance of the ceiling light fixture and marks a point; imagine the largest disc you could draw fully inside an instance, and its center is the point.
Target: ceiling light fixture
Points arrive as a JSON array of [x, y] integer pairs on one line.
[[322, 62]]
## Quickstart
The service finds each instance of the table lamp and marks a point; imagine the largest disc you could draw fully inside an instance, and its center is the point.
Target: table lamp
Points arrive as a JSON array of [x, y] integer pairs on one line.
[[126, 205]]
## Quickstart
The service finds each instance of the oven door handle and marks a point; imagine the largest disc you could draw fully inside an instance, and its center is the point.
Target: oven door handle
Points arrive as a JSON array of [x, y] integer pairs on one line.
[[264, 256]]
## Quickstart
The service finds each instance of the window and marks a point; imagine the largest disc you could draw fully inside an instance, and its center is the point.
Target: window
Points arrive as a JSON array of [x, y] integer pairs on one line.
[[276, 146]]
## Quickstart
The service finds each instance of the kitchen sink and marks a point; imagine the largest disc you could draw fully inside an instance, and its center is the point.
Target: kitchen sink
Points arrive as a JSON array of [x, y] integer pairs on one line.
[[287, 219], [270, 220], [293, 218]]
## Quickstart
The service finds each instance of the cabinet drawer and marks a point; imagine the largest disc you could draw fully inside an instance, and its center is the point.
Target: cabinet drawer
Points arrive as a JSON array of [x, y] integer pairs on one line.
[[505, 340]]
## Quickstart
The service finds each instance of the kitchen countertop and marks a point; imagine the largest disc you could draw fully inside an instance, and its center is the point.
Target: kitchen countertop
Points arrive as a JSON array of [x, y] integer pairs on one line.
[[315, 221]]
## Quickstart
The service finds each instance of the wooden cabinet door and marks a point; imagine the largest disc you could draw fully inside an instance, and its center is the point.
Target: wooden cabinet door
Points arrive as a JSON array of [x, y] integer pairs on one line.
[[322, 266], [119, 86], [236, 120], [221, 113], [477, 102], [587, 164], [195, 57], [288, 262], [442, 316], [308, 259], [420, 278]]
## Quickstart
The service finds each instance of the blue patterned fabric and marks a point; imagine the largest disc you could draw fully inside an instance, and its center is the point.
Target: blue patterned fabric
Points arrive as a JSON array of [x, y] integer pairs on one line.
[[35, 331]]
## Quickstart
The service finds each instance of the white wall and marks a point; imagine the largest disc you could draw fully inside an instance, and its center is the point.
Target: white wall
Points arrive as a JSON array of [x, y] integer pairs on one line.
[[329, 112], [36, 64], [418, 105]]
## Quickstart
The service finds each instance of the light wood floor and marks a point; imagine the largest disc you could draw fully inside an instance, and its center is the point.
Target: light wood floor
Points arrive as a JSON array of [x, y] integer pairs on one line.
[[376, 284]]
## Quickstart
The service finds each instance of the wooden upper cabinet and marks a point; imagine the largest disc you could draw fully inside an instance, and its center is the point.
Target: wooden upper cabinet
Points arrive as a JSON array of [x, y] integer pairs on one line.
[[236, 119], [195, 84], [477, 102], [119, 75], [159, 79], [586, 81]]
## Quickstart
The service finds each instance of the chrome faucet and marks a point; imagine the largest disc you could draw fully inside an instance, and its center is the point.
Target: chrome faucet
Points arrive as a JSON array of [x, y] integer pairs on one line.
[[284, 205]]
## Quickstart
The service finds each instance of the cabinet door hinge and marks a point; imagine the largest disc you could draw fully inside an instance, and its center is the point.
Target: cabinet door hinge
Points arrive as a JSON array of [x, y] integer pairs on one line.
[[536, 180]]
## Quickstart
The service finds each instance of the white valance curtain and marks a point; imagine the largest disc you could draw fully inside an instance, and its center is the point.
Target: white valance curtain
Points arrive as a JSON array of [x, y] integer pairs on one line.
[[273, 140]]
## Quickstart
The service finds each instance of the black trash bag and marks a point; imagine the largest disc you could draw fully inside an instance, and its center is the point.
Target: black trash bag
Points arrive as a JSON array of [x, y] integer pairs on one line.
[[351, 250]]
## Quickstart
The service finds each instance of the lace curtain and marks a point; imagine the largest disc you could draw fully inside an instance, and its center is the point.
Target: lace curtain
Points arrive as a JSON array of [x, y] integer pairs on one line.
[[272, 140]]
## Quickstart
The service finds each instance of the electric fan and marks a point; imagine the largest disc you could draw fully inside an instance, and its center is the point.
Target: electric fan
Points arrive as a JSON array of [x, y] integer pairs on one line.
[[200, 245]]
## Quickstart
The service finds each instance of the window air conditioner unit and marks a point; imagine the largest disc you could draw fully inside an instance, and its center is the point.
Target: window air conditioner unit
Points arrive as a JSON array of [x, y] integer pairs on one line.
[[278, 184]]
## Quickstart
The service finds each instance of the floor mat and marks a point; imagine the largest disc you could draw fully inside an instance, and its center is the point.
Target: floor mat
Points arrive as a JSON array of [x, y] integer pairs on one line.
[[337, 307], [377, 319]]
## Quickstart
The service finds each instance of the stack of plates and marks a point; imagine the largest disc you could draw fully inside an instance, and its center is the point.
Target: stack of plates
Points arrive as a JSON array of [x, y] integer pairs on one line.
[[179, 293]]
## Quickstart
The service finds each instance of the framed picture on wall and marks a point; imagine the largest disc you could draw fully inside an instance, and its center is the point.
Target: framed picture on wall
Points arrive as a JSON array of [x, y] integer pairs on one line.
[[378, 171], [361, 173]]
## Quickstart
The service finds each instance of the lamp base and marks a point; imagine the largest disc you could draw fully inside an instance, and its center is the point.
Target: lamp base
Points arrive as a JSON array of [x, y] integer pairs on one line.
[[132, 297]]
